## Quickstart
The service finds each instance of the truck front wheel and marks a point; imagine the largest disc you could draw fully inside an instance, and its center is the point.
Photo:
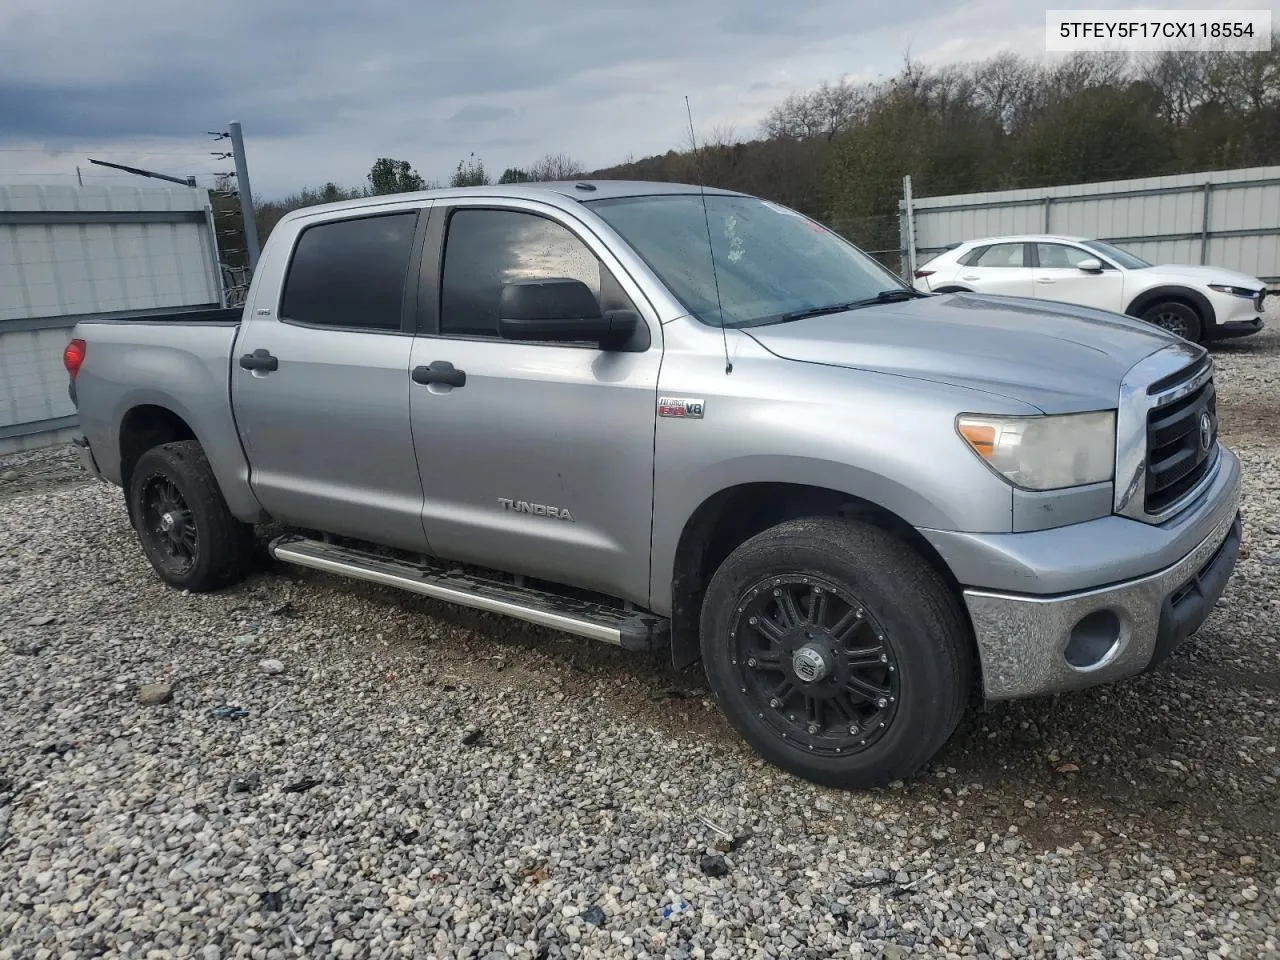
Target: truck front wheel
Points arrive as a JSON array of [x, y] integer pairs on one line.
[[836, 651], [186, 529]]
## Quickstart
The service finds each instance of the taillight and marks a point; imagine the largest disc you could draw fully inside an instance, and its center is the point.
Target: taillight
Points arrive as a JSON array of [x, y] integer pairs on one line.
[[921, 274], [73, 357]]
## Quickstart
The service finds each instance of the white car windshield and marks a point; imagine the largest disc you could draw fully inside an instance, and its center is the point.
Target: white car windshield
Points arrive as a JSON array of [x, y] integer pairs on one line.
[[1123, 257], [770, 263]]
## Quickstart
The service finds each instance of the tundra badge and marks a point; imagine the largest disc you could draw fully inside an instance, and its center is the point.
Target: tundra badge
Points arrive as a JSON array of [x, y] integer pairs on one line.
[[537, 509]]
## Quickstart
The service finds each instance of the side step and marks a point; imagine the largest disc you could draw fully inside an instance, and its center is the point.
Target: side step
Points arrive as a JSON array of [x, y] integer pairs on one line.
[[629, 629]]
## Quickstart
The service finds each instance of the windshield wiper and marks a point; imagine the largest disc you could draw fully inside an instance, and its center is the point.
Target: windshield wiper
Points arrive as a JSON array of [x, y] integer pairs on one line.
[[884, 296], [817, 311], [895, 295]]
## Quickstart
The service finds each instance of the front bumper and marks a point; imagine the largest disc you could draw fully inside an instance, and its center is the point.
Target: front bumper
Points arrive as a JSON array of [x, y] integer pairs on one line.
[[1235, 328], [1031, 645], [1093, 602]]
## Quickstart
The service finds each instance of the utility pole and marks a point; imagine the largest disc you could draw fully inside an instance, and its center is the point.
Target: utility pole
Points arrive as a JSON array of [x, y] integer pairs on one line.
[[246, 194]]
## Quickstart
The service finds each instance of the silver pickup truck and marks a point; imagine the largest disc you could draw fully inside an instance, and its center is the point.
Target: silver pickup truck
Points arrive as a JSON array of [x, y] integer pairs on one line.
[[663, 417]]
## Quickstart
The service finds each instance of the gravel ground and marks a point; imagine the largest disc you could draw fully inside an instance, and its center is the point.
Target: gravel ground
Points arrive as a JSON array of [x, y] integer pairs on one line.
[[413, 780]]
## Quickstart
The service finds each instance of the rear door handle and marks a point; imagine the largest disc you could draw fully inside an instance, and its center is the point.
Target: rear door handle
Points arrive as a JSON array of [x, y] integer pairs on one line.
[[259, 360], [1045, 280], [440, 371], [970, 276]]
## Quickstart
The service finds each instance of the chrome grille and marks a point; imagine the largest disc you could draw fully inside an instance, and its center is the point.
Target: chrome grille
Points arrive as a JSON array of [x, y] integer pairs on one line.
[[1181, 446], [1162, 459]]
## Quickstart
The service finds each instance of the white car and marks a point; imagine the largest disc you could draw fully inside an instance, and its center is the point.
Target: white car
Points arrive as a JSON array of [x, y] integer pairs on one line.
[[1198, 303]]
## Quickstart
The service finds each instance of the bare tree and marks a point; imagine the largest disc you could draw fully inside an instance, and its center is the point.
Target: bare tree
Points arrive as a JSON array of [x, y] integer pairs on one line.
[[839, 104], [1179, 78], [822, 112], [1005, 88], [720, 135], [556, 166], [795, 118], [1084, 70], [1246, 81]]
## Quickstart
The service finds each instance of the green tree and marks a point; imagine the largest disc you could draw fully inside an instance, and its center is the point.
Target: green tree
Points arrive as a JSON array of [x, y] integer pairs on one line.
[[394, 176], [470, 173], [514, 175], [920, 123], [1078, 139]]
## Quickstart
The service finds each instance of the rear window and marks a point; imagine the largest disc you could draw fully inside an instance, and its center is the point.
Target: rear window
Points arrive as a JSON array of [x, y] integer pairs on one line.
[[350, 273]]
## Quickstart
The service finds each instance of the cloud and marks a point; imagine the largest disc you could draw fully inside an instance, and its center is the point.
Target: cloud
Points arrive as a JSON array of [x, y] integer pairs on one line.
[[325, 86], [481, 113]]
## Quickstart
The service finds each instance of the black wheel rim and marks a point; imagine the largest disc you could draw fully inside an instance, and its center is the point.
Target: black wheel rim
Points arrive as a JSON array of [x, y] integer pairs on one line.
[[1173, 322], [814, 664], [169, 524]]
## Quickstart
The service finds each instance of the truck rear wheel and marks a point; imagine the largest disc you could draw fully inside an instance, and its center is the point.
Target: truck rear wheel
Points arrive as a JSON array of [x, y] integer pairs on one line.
[[187, 532], [836, 651]]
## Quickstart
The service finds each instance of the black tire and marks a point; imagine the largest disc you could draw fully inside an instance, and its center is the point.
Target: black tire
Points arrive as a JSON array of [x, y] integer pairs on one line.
[[192, 539], [1176, 317], [908, 620]]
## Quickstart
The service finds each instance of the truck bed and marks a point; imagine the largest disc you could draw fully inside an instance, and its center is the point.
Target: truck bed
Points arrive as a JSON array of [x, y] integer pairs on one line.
[[216, 317], [174, 364]]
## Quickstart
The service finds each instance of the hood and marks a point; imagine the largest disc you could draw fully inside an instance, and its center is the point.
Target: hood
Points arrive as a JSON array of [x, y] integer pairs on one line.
[[1059, 358], [1206, 275]]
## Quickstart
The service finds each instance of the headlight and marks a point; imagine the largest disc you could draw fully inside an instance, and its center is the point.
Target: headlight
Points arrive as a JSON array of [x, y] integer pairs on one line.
[[1234, 291], [1045, 453]]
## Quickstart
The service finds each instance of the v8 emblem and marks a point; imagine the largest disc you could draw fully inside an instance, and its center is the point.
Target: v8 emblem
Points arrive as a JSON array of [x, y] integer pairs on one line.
[[685, 408]]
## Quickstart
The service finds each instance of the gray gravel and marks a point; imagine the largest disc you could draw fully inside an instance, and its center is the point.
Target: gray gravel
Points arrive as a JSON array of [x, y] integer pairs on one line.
[[407, 779]]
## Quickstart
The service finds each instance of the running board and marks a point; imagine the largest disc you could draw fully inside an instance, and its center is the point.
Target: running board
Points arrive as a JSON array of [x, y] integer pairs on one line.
[[629, 629]]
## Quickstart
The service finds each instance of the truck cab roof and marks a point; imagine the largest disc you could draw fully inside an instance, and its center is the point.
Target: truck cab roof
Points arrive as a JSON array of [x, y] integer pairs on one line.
[[555, 191]]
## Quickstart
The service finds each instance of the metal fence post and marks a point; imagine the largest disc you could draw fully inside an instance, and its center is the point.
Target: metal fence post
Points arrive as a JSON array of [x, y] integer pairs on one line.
[[246, 194], [1204, 223], [910, 226], [1048, 208]]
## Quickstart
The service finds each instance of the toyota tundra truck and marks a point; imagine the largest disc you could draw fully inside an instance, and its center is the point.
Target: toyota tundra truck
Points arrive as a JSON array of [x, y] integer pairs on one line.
[[674, 418]]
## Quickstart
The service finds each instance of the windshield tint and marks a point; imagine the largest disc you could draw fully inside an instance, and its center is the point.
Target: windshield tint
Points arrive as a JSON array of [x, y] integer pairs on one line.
[[770, 262], [1122, 257]]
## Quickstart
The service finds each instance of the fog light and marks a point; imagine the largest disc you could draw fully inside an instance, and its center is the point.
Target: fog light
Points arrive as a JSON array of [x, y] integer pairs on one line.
[[1093, 640]]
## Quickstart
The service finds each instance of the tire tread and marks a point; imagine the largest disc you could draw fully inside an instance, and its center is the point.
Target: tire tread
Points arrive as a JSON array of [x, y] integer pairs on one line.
[[226, 541], [898, 563]]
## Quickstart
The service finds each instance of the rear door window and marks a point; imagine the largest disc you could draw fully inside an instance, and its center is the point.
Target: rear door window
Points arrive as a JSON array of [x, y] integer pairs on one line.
[[350, 273], [1001, 255]]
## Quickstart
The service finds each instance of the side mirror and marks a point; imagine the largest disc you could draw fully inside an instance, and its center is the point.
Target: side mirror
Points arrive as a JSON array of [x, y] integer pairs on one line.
[[560, 309], [1092, 265]]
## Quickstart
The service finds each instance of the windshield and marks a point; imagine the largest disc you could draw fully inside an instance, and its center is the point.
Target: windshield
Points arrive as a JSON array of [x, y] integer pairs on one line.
[[771, 263], [1122, 257]]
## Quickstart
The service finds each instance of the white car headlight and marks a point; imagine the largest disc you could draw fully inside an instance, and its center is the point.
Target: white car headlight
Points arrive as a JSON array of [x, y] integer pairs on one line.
[[1234, 291], [1045, 453]]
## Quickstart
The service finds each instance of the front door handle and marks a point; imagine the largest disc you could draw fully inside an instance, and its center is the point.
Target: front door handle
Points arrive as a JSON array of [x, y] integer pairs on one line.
[[259, 360], [440, 371], [1045, 280]]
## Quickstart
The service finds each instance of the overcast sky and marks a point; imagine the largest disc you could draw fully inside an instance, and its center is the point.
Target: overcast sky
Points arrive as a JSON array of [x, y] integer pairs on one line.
[[323, 87]]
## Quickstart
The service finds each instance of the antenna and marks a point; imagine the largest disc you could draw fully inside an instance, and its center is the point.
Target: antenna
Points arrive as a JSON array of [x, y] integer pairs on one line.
[[706, 218]]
